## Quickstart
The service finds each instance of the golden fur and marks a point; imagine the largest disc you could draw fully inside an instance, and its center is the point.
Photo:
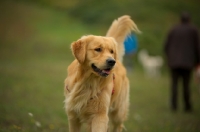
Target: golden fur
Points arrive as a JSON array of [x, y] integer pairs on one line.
[[97, 88]]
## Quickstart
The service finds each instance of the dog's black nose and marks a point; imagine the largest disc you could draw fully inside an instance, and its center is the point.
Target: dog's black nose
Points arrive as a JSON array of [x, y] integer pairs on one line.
[[110, 62]]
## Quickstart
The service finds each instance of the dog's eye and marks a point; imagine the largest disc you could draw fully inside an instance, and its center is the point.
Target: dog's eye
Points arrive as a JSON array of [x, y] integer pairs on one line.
[[98, 49], [111, 51]]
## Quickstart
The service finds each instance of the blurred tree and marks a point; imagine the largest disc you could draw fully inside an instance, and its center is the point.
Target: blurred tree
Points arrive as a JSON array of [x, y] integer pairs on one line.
[[153, 17]]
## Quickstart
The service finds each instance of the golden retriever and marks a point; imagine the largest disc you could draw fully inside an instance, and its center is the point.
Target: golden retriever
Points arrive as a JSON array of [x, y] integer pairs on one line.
[[97, 88]]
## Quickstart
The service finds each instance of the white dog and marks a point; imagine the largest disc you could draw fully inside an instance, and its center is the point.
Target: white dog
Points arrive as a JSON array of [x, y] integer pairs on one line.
[[150, 64]]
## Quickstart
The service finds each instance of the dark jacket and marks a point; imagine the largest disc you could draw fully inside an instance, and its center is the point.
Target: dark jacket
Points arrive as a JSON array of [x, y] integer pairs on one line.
[[182, 47]]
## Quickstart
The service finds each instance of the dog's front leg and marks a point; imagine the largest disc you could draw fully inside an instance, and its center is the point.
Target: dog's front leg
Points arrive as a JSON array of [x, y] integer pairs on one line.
[[99, 123], [74, 125]]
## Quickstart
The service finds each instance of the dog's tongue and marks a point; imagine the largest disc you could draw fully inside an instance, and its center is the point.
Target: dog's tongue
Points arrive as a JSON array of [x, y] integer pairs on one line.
[[106, 71]]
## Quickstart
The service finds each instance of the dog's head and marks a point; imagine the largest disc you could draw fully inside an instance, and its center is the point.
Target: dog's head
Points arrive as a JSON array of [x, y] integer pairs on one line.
[[96, 53]]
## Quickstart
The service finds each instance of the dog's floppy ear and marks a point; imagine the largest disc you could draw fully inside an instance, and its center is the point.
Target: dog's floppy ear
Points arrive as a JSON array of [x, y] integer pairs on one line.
[[79, 50]]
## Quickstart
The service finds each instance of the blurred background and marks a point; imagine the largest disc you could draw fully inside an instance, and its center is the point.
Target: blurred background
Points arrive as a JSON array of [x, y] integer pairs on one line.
[[35, 38]]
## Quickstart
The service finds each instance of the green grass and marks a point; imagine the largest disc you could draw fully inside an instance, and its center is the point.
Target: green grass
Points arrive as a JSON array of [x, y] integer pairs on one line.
[[34, 55], [150, 111]]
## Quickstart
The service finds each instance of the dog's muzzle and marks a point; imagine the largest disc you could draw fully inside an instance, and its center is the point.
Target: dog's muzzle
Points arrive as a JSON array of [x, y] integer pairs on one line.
[[105, 72]]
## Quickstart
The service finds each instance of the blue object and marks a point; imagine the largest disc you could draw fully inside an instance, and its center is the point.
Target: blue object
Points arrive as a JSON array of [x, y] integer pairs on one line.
[[130, 44]]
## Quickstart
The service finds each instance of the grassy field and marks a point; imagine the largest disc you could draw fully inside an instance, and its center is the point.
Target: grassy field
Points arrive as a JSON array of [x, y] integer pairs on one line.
[[34, 55]]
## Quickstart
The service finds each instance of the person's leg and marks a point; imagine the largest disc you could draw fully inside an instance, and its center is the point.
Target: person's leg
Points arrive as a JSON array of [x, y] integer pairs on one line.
[[174, 88], [186, 74]]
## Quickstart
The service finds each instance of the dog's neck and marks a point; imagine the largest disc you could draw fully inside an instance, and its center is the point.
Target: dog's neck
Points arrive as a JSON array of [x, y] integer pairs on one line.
[[92, 81]]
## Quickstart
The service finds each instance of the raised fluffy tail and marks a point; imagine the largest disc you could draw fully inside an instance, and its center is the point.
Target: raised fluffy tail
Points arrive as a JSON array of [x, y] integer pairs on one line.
[[119, 30]]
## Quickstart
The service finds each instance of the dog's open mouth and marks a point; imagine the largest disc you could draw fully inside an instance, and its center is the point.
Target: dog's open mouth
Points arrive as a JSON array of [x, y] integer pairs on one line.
[[104, 72]]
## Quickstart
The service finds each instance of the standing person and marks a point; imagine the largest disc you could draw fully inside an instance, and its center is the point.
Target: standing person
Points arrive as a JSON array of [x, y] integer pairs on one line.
[[131, 47], [182, 52]]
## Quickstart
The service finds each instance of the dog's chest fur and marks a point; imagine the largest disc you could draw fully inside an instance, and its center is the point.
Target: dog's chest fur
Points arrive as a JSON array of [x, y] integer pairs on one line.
[[92, 94]]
